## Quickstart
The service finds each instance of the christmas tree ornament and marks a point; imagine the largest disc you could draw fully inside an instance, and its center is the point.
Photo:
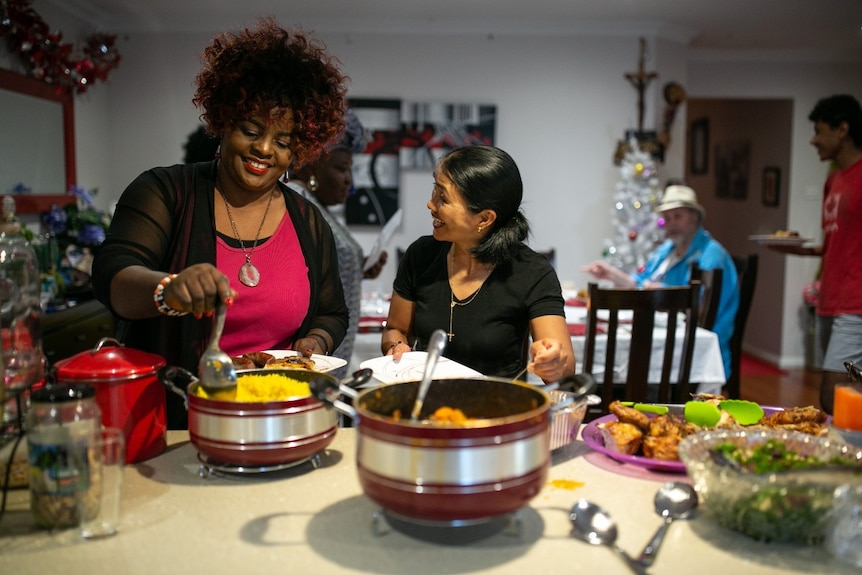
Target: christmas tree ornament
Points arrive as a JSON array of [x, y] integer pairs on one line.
[[639, 168], [633, 235]]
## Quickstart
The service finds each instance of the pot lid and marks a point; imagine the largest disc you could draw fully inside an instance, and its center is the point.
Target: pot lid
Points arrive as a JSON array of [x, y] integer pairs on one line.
[[109, 360]]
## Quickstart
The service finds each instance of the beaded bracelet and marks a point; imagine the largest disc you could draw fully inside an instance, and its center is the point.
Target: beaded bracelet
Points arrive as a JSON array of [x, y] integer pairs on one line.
[[159, 298]]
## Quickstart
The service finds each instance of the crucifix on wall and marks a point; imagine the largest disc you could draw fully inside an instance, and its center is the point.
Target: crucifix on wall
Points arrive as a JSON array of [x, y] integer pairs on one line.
[[640, 80], [647, 141]]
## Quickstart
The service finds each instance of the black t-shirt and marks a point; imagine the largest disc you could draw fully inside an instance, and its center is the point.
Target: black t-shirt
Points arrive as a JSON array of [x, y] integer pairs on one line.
[[491, 332]]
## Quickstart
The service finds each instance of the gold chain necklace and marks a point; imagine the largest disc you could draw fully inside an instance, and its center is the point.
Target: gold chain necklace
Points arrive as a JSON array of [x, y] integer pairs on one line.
[[453, 303], [248, 274]]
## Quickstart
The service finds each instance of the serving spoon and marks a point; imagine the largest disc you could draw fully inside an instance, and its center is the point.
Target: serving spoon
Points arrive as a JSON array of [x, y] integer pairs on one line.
[[215, 368], [436, 344], [594, 525], [673, 500]]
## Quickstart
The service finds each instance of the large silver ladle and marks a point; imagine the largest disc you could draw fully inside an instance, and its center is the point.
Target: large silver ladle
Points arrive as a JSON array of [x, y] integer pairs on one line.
[[215, 368], [673, 500], [594, 525], [436, 344]]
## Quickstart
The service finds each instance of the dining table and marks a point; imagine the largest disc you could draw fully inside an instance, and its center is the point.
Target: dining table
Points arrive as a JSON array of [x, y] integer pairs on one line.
[[707, 369], [180, 515]]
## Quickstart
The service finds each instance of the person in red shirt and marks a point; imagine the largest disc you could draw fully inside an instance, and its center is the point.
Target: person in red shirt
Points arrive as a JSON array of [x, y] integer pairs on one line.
[[838, 139]]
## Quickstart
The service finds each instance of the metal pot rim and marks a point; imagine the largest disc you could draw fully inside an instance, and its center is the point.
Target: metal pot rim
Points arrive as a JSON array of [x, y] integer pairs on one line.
[[364, 413]]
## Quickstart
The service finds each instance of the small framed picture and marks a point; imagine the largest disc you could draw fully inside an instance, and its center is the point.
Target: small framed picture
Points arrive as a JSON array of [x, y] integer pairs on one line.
[[698, 153], [771, 190]]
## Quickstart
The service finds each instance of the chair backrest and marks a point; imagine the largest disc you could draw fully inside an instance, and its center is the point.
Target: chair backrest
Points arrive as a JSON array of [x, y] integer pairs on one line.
[[551, 255], [643, 303], [710, 294], [746, 269]]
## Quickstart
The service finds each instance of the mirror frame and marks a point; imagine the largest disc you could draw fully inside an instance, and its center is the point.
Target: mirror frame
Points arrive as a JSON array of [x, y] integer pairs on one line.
[[22, 84]]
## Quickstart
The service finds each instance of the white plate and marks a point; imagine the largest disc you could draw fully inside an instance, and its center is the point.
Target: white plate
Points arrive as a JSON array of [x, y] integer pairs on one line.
[[411, 366], [321, 362], [769, 239]]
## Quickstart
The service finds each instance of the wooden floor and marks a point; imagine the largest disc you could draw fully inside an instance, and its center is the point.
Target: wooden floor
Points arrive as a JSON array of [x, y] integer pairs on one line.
[[796, 388]]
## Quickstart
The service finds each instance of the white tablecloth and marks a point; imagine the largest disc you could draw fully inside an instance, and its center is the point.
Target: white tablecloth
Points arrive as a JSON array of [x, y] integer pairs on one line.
[[707, 366]]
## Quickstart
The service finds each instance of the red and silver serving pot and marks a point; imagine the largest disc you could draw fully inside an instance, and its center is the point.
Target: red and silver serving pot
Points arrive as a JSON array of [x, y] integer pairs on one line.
[[449, 474], [267, 433]]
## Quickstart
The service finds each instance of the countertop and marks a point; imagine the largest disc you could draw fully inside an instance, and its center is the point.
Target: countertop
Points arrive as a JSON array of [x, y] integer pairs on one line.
[[317, 520]]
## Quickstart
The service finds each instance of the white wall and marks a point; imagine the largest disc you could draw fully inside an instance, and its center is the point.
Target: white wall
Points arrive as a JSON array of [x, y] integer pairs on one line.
[[562, 103]]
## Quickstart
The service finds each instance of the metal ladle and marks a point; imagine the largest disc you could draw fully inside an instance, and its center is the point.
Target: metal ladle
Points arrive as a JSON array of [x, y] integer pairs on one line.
[[594, 525], [673, 500], [215, 368], [436, 344]]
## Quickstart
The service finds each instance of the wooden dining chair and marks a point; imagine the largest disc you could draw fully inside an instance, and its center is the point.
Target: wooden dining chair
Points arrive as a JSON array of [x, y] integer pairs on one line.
[[710, 294], [746, 270], [643, 303]]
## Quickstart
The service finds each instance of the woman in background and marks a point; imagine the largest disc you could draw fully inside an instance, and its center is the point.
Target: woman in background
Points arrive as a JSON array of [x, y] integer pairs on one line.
[[477, 280], [327, 182], [185, 236]]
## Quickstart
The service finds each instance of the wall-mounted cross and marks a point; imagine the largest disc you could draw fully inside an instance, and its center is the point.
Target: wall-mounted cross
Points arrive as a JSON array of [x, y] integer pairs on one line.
[[640, 80]]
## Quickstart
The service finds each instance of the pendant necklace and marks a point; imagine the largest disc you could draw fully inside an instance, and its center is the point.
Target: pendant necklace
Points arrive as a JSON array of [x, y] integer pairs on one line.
[[248, 274], [453, 303]]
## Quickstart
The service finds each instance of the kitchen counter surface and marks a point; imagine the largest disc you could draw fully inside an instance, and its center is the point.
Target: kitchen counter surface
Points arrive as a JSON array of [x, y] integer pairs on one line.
[[317, 520]]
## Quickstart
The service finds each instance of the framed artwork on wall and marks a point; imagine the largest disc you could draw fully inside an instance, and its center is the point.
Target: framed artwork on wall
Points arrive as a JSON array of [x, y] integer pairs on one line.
[[732, 161], [433, 129], [771, 186], [374, 198], [699, 147]]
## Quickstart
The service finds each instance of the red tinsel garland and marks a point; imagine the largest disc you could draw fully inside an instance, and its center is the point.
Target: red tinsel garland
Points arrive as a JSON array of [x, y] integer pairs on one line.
[[48, 57]]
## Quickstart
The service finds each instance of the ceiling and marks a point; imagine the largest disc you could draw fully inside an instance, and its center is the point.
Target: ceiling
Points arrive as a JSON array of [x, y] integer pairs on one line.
[[829, 28]]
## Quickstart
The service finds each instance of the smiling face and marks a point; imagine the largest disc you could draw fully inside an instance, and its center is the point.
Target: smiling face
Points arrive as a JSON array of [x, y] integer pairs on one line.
[[452, 219], [827, 140], [256, 153]]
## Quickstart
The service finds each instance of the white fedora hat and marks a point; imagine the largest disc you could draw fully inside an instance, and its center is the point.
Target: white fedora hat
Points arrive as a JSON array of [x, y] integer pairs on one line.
[[680, 197]]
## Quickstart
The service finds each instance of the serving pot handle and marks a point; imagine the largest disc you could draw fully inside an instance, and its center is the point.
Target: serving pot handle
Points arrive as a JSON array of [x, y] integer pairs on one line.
[[171, 374], [328, 391]]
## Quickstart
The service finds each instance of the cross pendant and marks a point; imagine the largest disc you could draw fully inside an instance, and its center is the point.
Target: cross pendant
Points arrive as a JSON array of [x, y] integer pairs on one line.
[[451, 335]]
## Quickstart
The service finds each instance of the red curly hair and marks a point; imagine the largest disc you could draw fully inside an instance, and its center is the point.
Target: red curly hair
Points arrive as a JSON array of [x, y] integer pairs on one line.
[[272, 72]]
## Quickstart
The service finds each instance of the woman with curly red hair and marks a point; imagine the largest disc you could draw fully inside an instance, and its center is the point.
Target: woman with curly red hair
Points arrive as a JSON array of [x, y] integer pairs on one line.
[[186, 235]]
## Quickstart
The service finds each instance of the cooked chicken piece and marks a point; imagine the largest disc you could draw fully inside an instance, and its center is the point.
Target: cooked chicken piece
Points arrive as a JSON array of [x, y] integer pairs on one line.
[[242, 362], [664, 447], [726, 421], [290, 362], [258, 357], [665, 425], [621, 437], [796, 415], [630, 415]]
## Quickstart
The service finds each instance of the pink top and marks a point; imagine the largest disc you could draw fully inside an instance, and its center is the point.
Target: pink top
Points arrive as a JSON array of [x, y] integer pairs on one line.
[[266, 316]]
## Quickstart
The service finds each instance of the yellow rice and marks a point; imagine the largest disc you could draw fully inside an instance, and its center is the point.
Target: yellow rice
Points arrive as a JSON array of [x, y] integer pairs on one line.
[[254, 388]]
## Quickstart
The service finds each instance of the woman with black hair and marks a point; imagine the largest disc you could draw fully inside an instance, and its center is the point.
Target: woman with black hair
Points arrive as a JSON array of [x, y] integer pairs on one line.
[[477, 280]]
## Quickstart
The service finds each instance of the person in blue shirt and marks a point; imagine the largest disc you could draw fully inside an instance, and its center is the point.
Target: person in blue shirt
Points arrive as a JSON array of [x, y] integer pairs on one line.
[[670, 264]]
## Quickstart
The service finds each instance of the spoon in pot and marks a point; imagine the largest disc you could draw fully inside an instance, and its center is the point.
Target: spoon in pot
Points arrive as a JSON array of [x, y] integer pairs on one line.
[[673, 500], [436, 344], [215, 368], [594, 525]]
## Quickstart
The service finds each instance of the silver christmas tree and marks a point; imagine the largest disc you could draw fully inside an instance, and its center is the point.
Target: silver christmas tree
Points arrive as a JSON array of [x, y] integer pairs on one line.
[[637, 227]]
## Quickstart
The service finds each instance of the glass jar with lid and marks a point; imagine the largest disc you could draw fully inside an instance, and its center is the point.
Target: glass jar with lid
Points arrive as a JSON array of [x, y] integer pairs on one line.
[[61, 424]]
